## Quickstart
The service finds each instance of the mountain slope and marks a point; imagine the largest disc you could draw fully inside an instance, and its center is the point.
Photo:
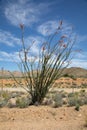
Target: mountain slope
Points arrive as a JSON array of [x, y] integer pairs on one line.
[[76, 72], [73, 71]]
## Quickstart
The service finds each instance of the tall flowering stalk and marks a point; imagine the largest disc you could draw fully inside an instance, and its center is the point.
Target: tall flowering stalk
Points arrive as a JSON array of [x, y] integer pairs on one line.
[[40, 72]]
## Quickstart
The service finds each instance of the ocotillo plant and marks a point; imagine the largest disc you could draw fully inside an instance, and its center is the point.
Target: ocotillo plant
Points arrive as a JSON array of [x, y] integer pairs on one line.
[[40, 71]]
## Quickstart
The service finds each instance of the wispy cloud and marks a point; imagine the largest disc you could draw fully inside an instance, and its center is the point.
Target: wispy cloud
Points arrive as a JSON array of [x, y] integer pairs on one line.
[[82, 38], [8, 39], [32, 42], [79, 63], [24, 11], [79, 60], [81, 55], [81, 41], [50, 27], [5, 56], [37, 42]]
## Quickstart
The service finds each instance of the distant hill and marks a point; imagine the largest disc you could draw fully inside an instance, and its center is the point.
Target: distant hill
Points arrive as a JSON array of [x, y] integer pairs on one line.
[[8, 74], [75, 72], [68, 72]]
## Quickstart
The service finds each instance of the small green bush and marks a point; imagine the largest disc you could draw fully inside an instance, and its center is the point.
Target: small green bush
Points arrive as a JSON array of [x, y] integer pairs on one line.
[[6, 95], [62, 93], [77, 107], [58, 101], [73, 101], [22, 102], [82, 91], [3, 102], [85, 100], [73, 94]]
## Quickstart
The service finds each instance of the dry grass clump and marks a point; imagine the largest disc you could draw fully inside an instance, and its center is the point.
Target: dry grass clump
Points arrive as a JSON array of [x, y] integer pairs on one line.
[[22, 102]]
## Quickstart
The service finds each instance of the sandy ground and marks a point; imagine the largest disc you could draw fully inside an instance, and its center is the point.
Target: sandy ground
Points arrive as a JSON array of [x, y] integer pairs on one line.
[[42, 118]]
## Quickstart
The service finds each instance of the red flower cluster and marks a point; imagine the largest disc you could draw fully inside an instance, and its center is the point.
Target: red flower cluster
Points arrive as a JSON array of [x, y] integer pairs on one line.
[[63, 45], [61, 22], [22, 26], [43, 48], [64, 36]]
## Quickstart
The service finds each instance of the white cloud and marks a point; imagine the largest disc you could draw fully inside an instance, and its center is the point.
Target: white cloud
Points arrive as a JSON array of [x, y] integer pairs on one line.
[[4, 56], [82, 38], [24, 11], [50, 27], [79, 63], [8, 39], [67, 28], [31, 42], [35, 42], [36, 39], [47, 27], [82, 55], [79, 60]]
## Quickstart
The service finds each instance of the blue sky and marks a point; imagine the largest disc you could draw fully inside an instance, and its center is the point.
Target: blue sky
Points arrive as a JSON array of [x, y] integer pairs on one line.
[[38, 16]]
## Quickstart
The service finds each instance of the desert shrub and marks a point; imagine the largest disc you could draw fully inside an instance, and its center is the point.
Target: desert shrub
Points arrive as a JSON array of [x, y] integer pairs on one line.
[[77, 107], [22, 102], [42, 69], [72, 77], [73, 101], [85, 99], [58, 102], [82, 90], [66, 75], [80, 101], [82, 93], [3, 102], [63, 94], [73, 94], [6, 95], [70, 94]]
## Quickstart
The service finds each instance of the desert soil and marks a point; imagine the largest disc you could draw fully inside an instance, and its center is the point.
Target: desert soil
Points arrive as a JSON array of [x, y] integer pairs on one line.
[[43, 118], [62, 82]]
